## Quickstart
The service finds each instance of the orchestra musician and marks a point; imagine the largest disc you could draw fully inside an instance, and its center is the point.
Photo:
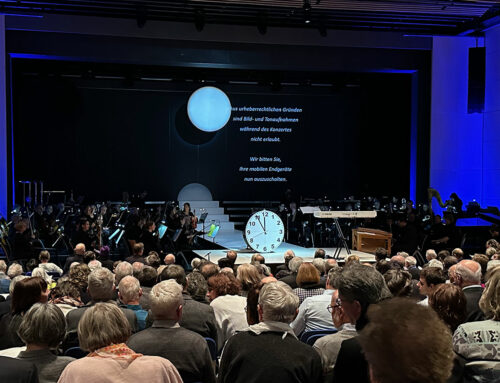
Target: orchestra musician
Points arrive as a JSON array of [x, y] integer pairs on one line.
[[82, 235]]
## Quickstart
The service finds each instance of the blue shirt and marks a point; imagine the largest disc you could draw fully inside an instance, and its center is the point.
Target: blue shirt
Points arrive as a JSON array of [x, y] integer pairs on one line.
[[141, 316]]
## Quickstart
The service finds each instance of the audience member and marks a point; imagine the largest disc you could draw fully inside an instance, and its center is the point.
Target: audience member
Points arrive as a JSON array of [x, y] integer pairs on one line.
[[399, 282], [328, 347], [291, 279], [449, 302], [169, 259], [307, 282], [147, 279], [269, 351], [42, 329], [94, 264], [19, 371], [411, 267], [122, 270], [449, 261], [248, 276], [229, 306], [79, 274], [320, 253], [257, 258], [435, 263], [430, 254], [478, 342], [14, 270], [153, 259], [283, 270], [129, 293], [44, 259], [137, 269], [88, 256], [383, 266], [394, 355], [104, 258], [197, 287], [483, 262], [39, 272], [137, 252], [209, 269], [430, 278], [359, 287], [5, 305], [196, 316], [468, 277], [232, 255], [458, 253], [313, 312], [380, 254], [26, 293], [78, 253], [103, 331], [187, 350], [66, 296]]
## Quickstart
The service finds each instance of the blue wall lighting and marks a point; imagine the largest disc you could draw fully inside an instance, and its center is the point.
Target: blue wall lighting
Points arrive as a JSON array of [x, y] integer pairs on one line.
[[209, 109]]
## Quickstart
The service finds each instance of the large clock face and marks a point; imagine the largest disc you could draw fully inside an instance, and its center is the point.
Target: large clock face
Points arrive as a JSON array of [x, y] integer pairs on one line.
[[264, 231]]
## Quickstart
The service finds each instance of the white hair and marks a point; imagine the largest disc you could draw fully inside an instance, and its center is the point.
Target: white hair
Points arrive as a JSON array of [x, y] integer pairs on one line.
[[289, 254], [278, 302], [101, 282], [411, 261], [73, 264], [122, 270], [492, 264], [14, 270], [195, 263], [319, 263], [294, 264], [165, 298], [3, 266], [39, 272], [430, 254], [435, 263], [94, 264], [129, 288], [467, 274]]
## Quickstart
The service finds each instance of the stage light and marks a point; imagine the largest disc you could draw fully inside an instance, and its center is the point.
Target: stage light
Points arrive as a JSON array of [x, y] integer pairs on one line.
[[307, 11], [209, 109], [199, 19]]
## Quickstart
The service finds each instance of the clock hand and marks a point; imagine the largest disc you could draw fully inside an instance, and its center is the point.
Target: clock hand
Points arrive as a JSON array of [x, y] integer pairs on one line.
[[258, 219], [264, 223], [256, 235]]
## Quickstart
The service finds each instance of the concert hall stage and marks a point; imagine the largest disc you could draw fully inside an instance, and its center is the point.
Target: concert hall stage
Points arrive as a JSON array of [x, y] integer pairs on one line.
[[233, 240]]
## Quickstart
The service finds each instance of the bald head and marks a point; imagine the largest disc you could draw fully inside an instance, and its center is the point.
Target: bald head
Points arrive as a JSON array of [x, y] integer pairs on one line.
[[467, 273], [80, 249], [399, 259], [232, 255], [169, 259]]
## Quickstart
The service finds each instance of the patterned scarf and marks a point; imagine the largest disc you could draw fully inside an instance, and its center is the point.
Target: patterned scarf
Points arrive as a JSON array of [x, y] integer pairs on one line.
[[68, 301], [114, 351]]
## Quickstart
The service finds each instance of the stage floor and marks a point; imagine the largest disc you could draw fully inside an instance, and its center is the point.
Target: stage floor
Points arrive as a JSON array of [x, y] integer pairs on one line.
[[234, 241]]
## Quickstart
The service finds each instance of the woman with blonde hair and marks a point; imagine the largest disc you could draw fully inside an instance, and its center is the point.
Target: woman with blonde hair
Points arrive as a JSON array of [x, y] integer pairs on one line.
[[249, 276], [103, 331]]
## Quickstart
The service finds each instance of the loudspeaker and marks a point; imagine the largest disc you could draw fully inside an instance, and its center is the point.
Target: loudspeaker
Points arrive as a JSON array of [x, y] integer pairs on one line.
[[477, 79]]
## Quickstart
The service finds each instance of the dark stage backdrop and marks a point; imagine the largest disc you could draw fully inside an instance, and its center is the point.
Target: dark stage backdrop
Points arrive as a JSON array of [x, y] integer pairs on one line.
[[100, 137]]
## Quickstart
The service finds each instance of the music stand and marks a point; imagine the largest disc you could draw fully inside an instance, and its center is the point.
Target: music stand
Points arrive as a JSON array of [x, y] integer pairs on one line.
[[203, 218]]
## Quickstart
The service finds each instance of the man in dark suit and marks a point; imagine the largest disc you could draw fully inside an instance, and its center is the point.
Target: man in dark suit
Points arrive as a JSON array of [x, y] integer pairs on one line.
[[468, 277], [79, 251], [14, 370], [359, 287], [101, 288]]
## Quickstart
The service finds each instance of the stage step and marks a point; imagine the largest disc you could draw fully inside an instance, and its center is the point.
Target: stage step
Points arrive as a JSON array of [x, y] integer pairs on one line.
[[200, 204]]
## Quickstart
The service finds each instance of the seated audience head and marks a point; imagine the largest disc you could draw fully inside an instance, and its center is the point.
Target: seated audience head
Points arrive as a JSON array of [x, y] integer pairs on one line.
[[430, 254], [359, 287], [319, 253], [294, 264], [3, 266], [222, 284], [79, 274], [492, 243], [410, 262], [449, 302], [329, 264], [101, 285], [102, 325], [88, 256], [153, 259], [490, 299], [225, 263], [195, 263], [169, 259], [138, 249], [232, 255], [392, 355], [258, 258], [435, 263], [319, 263], [333, 276], [399, 259], [252, 302], [197, 286], [399, 282], [209, 269], [65, 288], [468, 273], [43, 326], [442, 255], [39, 272], [352, 259], [129, 290], [166, 300], [122, 270], [451, 273], [380, 254], [137, 269], [44, 256], [277, 302], [104, 252], [383, 266], [26, 293], [289, 254], [248, 275], [490, 252], [80, 249], [148, 276], [94, 264], [430, 278], [176, 273], [449, 261], [14, 270], [483, 260], [31, 264], [458, 253], [339, 317], [307, 275]]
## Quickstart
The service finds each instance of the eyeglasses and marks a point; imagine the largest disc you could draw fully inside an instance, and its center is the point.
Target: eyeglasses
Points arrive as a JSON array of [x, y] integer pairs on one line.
[[338, 303]]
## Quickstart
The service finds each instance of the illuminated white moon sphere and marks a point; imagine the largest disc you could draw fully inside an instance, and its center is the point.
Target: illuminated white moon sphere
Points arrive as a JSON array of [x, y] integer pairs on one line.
[[209, 109]]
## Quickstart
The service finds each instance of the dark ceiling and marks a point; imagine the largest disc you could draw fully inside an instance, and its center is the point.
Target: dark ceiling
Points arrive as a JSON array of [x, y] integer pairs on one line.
[[425, 17]]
